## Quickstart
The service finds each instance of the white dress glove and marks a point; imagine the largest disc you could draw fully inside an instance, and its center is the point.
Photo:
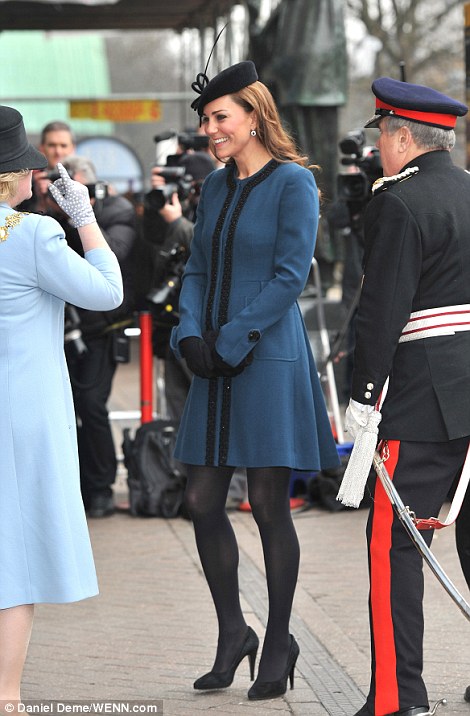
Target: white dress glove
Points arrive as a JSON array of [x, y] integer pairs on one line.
[[357, 415], [73, 198]]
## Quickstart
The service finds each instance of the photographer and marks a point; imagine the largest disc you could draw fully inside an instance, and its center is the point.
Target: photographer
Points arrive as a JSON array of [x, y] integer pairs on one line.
[[198, 162], [57, 143], [169, 212], [168, 235], [92, 371], [346, 216], [354, 193]]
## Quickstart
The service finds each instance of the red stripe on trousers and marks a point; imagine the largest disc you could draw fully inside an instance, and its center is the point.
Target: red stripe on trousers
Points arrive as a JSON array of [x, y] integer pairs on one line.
[[386, 685]]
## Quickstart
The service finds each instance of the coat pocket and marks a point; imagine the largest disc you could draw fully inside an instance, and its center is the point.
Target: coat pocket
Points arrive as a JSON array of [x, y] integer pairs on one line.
[[282, 340]]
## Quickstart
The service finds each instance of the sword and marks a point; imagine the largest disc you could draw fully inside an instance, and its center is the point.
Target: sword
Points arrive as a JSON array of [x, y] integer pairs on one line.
[[407, 518]]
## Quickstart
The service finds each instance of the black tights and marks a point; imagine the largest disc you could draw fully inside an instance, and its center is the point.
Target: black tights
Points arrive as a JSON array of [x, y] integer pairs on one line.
[[268, 492]]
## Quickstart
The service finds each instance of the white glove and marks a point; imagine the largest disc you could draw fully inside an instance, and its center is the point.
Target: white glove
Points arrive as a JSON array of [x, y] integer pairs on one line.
[[73, 198], [357, 415]]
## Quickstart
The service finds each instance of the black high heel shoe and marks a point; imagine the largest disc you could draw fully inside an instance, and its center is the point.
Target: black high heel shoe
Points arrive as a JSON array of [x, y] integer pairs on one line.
[[222, 679], [271, 689]]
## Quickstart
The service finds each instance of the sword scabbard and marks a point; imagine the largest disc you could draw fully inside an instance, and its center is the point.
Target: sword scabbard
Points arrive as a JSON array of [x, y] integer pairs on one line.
[[406, 517]]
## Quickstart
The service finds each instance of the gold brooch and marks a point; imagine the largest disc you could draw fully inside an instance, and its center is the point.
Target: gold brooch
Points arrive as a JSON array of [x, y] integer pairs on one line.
[[11, 221]]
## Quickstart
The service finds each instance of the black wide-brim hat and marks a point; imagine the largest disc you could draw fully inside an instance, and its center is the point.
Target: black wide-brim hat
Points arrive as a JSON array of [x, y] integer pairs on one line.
[[229, 81], [414, 102], [16, 152]]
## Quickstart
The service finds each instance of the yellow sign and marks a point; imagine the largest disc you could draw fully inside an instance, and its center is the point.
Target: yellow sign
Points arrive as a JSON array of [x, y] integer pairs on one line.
[[117, 110]]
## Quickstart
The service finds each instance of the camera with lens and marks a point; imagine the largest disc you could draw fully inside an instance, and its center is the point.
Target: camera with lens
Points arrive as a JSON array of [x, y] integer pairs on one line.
[[177, 180], [164, 298], [194, 141], [355, 186], [98, 191], [52, 175], [75, 346]]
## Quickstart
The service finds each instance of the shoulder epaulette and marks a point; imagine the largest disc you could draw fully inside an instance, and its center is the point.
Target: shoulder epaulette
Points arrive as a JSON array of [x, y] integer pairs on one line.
[[385, 182]]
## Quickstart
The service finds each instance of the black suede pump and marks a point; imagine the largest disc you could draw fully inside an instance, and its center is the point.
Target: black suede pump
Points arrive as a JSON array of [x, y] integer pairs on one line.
[[222, 679], [271, 689]]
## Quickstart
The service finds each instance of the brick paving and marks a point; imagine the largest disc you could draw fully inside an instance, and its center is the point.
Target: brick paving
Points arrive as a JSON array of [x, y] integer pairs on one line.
[[152, 630]]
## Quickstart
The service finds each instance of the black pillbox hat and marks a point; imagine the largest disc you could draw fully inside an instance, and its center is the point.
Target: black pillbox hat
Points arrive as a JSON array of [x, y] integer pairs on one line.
[[414, 102], [229, 81]]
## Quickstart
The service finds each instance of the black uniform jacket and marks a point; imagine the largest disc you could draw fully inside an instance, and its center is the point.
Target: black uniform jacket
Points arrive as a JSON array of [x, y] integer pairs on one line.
[[417, 256]]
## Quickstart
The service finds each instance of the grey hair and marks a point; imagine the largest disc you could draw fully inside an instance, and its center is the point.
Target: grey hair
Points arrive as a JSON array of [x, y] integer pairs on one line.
[[84, 166], [425, 136]]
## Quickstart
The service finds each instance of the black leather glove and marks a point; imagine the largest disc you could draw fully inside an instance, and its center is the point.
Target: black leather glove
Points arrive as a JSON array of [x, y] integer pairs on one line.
[[198, 357], [223, 369]]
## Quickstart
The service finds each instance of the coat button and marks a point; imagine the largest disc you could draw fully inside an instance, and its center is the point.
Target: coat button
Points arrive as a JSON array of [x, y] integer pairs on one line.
[[367, 394], [254, 336], [370, 386]]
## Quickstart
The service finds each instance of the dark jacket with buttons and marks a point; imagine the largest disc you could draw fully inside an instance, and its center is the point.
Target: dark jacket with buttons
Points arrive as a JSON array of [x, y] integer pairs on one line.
[[417, 256]]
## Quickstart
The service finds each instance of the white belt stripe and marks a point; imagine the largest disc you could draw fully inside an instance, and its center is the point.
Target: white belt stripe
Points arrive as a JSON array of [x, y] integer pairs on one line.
[[431, 322]]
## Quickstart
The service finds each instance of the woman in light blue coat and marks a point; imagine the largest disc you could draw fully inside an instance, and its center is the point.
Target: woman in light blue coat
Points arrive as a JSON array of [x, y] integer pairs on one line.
[[45, 552], [255, 400]]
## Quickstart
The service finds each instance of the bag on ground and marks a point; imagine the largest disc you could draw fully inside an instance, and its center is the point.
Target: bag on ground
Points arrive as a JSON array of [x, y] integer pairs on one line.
[[155, 481]]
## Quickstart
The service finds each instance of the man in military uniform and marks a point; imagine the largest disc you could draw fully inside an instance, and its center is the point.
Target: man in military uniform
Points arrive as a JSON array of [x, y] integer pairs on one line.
[[412, 327]]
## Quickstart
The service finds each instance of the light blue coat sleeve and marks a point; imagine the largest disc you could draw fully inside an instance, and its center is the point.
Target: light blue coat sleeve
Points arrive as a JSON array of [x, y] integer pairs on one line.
[[93, 282]]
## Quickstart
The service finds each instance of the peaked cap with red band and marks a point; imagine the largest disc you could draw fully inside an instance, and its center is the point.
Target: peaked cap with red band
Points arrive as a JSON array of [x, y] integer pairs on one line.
[[414, 102]]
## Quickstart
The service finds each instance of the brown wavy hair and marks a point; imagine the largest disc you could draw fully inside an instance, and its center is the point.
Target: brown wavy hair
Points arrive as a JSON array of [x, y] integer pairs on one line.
[[9, 183], [271, 133]]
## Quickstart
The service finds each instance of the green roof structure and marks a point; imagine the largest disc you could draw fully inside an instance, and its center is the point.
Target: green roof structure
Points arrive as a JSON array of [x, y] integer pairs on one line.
[[51, 68]]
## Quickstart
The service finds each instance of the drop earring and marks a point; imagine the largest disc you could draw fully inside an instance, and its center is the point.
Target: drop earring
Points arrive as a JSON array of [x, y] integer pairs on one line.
[[253, 132]]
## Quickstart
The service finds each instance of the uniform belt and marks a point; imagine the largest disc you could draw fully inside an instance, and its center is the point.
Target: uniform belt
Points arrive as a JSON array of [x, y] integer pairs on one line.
[[445, 321]]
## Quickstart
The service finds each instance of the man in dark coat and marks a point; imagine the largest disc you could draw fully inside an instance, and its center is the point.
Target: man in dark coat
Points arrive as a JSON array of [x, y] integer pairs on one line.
[[412, 327], [92, 373]]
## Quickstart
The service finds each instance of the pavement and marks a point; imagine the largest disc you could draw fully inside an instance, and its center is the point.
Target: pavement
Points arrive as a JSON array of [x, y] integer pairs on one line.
[[152, 630]]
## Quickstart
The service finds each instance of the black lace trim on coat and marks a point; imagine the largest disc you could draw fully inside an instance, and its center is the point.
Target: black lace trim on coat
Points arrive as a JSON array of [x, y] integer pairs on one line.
[[224, 430], [215, 247]]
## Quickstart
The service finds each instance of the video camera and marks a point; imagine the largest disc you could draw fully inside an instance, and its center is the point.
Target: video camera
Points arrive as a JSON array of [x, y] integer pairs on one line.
[[177, 180], [164, 298], [194, 141], [356, 186], [183, 172]]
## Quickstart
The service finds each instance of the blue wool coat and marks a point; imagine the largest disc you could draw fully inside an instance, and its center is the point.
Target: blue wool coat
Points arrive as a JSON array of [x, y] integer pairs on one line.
[[250, 259], [45, 552]]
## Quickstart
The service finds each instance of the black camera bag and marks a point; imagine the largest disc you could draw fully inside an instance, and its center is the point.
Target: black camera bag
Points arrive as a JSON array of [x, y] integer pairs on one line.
[[156, 485]]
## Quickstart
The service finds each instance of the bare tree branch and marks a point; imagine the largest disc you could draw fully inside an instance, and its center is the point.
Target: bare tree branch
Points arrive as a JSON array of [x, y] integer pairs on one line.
[[422, 33]]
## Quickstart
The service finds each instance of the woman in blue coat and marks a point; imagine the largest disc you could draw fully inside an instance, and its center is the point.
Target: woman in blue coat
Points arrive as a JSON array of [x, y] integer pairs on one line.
[[255, 400], [45, 551]]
